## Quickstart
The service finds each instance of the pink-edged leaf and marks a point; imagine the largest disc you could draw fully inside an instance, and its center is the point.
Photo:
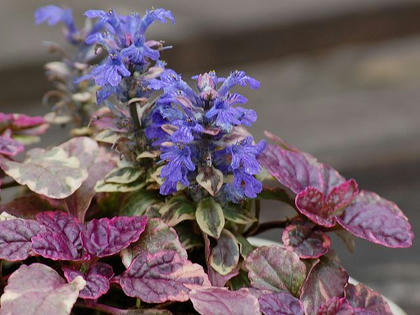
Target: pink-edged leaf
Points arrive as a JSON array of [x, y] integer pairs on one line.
[[61, 240], [342, 195], [221, 301], [105, 237], [97, 280], [280, 303], [305, 241], [156, 237], [9, 146], [15, 238], [218, 280], [224, 256], [361, 298], [377, 220], [24, 121], [326, 280], [39, 289], [5, 118], [323, 209], [294, 170], [311, 203], [330, 178], [336, 306], [276, 269], [160, 277], [98, 163]]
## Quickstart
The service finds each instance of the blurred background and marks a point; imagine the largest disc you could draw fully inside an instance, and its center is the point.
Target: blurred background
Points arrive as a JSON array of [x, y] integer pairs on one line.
[[339, 79]]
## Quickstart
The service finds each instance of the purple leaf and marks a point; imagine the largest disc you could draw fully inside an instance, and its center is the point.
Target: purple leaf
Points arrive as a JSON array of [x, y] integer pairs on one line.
[[97, 280], [326, 280], [280, 303], [336, 306], [276, 269], [156, 237], [39, 289], [322, 209], [106, 237], [160, 277], [24, 121], [221, 301], [15, 238], [305, 241], [377, 220], [218, 280], [294, 170], [364, 299], [9, 146], [61, 241]]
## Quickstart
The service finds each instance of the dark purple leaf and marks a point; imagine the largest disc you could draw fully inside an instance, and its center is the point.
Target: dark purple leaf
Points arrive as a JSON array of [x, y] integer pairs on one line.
[[326, 280], [160, 277], [377, 220], [106, 237], [294, 170], [280, 303], [364, 299], [221, 301], [156, 237], [305, 241], [15, 238], [97, 280], [39, 289], [336, 306], [276, 269], [61, 240], [322, 208]]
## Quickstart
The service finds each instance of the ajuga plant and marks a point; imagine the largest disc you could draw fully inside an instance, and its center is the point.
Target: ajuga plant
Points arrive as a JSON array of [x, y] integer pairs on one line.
[[148, 207]]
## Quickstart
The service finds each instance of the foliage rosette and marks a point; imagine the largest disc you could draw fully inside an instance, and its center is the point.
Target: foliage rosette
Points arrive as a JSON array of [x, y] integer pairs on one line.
[[149, 205]]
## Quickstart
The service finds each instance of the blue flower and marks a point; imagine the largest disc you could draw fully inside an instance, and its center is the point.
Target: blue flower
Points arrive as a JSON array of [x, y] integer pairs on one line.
[[244, 155], [196, 124], [108, 73], [53, 15], [245, 184], [237, 78], [179, 163]]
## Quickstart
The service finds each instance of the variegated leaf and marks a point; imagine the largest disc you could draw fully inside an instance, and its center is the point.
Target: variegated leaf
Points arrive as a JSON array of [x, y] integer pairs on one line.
[[52, 173], [211, 179], [210, 218], [225, 255]]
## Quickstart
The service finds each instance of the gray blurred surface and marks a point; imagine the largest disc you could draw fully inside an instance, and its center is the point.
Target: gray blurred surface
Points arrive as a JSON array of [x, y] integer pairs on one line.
[[354, 106]]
